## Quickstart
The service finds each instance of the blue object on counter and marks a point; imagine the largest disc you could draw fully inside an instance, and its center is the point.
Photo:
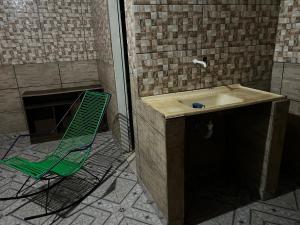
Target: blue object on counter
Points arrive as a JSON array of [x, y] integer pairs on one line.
[[198, 105]]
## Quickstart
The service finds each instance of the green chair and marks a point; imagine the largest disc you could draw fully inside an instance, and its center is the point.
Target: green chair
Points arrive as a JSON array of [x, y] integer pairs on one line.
[[71, 152]]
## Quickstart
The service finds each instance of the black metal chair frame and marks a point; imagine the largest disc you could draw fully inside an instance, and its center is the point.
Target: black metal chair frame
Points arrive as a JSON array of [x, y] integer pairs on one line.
[[50, 177]]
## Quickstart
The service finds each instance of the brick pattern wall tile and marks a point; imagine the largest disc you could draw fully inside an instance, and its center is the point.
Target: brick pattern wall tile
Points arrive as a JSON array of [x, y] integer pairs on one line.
[[285, 80], [164, 36], [100, 23], [16, 79], [41, 31], [288, 34]]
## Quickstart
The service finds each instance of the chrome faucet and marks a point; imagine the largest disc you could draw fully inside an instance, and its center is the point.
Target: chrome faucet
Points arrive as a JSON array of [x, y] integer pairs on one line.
[[203, 63]]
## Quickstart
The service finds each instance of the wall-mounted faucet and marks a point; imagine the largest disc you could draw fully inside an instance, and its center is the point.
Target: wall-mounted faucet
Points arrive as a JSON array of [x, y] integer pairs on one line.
[[203, 63]]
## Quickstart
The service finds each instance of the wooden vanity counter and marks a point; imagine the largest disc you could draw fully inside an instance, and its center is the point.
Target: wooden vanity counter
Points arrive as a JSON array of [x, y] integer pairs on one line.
[[161, 125], [216, 99]]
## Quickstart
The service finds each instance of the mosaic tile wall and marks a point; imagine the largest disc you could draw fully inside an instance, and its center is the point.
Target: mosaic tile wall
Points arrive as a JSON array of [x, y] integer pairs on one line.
[[101, 26], [16, 79], [102, 31], [288, 35], [286, 69], [237, 37], [41, 31]]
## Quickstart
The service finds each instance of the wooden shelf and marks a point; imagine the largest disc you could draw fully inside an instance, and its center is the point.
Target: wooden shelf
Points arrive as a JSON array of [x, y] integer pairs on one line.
[[48, 104], [44, 109], [61, 91]]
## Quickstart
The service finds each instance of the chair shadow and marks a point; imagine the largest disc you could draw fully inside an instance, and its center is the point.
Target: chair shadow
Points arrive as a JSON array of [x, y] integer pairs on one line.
[[122, 133], [79, 186]]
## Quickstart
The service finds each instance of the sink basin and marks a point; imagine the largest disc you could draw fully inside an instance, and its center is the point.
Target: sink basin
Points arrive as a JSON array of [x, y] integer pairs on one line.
[[211, 100], [219, 98]]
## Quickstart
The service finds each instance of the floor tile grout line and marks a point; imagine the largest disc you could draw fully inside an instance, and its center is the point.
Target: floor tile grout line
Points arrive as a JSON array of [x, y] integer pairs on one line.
[[276, 206], [275, 215], [296, 199]]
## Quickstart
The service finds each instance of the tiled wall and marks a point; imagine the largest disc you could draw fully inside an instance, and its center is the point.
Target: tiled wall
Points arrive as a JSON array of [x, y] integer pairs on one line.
[[288, 35], [286, 76], [41, 31], [286, 69], [237, 37], [16, 79], [44, 44], [102, 31], [103, 45]]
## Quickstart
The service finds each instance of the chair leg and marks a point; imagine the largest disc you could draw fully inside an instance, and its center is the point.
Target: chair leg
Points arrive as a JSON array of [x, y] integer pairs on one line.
[[22, 186], [93, 175], [31, 194], [47, 196], [76, 202]]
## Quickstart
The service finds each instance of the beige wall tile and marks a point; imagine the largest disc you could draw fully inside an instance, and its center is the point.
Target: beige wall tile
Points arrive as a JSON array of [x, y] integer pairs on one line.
[[39, 88], [291, 70], [37, 74], [7, 77], [291, 81], [112, 116], [276, 85], [10, 101], [277, 70], [13, 122], [81, 84], [79, 71], [276, 81], [263, 85], [112, 110], [107, 76], [151, 163]]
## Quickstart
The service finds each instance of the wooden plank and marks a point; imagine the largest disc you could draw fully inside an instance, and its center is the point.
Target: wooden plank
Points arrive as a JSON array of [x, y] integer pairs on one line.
[[152, 163], [274, 147], [153, 117]]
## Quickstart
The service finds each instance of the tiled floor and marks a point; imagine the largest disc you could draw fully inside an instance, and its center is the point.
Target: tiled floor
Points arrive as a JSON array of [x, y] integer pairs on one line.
[[120, 200]]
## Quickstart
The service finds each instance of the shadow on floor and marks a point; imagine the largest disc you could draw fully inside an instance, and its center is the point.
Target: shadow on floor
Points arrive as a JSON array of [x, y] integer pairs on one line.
[[215, 194], [107, 157], [122, 132]]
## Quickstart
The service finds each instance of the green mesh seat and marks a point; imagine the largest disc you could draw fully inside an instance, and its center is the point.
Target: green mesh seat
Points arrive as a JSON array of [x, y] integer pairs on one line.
[[76, 144]]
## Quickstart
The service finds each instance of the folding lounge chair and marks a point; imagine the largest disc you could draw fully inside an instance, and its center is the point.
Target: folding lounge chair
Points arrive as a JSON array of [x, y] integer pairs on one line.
[[70, 154]]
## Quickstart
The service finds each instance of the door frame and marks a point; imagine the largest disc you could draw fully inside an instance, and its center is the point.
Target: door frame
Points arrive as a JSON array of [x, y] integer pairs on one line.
[[117, 21]]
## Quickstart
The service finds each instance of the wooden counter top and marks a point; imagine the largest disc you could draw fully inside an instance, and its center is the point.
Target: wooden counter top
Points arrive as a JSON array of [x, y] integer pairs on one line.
[[216, 99]]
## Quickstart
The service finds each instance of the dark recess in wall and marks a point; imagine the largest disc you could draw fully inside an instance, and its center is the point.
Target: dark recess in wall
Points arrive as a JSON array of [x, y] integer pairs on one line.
[[291, 153]]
